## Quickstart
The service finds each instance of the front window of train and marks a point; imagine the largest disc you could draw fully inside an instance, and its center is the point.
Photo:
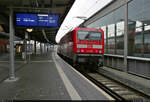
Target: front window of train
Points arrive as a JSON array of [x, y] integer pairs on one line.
[[89, 35]]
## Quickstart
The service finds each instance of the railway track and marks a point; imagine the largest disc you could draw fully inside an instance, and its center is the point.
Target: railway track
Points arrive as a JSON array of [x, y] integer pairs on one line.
[[117, 90]]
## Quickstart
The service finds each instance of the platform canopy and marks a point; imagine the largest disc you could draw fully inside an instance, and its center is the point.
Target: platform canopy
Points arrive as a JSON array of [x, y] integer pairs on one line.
[[79, 12]]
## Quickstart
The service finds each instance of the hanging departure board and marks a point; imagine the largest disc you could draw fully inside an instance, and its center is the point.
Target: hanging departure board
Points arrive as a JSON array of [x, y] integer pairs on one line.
[[37, 20]]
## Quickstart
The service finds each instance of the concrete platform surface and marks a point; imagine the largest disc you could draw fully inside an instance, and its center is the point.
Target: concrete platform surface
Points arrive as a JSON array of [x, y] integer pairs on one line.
[[4, 68], [48, 77]]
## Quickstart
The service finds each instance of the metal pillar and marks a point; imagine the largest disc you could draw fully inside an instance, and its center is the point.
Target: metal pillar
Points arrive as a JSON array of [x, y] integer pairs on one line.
[[106, 39], [35, 46], [40, 47], [24, 57], [115, 52], [45, 48], [25, 48], [11, 40], [29, 50], [126, 39]]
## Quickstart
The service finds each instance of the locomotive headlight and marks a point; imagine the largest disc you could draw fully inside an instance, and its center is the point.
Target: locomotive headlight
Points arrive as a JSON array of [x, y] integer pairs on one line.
[[100, 51]]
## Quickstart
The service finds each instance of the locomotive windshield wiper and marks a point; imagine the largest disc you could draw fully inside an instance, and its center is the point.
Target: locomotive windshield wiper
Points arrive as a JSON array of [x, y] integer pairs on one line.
[[87, 36]]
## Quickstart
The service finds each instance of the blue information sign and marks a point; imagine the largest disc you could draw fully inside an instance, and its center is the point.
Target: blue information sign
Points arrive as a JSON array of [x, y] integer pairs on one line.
[[26, 20], [48, 20], [43, 20]]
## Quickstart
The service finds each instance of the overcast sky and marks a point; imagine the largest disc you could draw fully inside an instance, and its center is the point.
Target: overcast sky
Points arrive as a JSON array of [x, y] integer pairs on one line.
[[80, 8]]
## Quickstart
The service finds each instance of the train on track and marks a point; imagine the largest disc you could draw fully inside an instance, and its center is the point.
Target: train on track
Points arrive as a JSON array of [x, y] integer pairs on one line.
[[83, 46]]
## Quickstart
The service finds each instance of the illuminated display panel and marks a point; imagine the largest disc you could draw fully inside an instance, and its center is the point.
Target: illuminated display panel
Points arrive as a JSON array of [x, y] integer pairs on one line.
[[37, 20]]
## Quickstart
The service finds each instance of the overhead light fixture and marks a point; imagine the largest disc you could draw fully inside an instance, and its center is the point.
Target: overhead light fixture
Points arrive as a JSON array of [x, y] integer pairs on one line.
[[29, 30]]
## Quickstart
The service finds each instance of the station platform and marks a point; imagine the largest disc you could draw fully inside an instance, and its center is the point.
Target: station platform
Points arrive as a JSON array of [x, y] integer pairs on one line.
[[48, 77], [136, 82], [4, 56], [4, 65]]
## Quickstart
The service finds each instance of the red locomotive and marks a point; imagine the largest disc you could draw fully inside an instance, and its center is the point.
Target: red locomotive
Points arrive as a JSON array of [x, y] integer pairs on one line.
[[83, 46]]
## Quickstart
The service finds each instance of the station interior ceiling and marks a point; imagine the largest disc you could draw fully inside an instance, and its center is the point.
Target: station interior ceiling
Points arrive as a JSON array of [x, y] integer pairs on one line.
[[60, 7]]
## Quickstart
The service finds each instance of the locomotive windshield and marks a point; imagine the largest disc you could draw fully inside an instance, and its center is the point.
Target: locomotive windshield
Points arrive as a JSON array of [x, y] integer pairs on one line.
[[89, 35]]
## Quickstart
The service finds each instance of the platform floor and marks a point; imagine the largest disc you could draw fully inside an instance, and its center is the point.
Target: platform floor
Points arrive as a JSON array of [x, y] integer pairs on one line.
[[48, 77]]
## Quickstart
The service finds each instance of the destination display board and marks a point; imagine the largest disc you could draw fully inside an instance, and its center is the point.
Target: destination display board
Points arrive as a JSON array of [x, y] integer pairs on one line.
[[37, 20]]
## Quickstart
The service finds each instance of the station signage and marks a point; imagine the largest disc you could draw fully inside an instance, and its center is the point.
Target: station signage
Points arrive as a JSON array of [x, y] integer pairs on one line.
[[37, 20]]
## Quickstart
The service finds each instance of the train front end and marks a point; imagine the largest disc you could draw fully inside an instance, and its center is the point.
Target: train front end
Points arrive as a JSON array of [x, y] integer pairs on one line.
[[88, 45]]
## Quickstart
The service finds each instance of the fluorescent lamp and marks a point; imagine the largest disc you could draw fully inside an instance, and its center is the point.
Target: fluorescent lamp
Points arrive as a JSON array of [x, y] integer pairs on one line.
[[29, 30]]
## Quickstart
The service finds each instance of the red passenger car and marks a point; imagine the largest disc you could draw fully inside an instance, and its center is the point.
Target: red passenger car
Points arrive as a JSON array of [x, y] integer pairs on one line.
[[83, 45], [4, 45]]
